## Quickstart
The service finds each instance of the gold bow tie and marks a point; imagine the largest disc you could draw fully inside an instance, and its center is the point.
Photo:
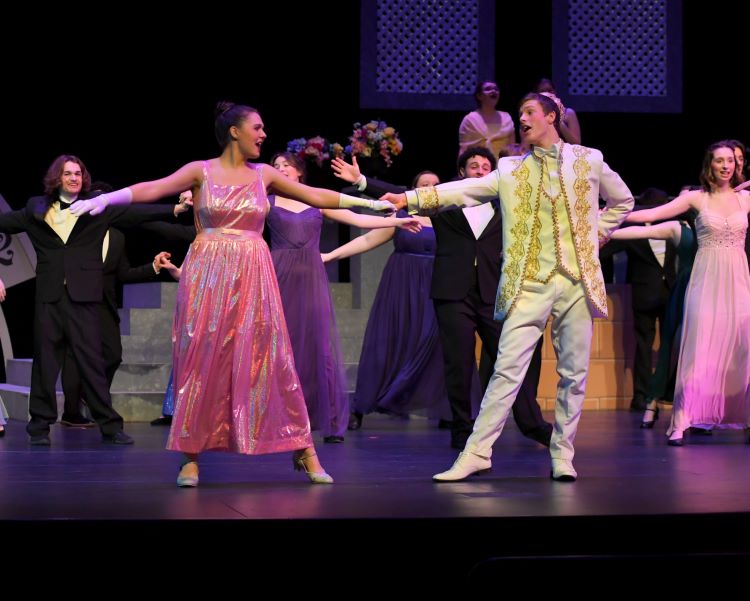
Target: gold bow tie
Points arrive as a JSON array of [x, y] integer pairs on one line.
[[541, 152]]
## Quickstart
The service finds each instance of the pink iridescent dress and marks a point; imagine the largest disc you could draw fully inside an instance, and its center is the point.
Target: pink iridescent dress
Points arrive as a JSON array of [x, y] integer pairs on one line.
[[236, 388], [713, 372]]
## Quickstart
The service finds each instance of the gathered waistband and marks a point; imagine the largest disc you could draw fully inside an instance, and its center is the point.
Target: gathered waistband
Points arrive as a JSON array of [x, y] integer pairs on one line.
[[225, 233]]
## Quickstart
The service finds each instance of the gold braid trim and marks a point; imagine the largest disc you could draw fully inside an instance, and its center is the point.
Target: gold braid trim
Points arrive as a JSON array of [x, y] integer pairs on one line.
[[512, 268], [532, 262], [429, 203], [586, 255]]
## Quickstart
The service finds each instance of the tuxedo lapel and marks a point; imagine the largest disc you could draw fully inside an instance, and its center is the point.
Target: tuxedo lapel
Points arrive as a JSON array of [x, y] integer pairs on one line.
[[457, 220], [40, 207], [80, 223]]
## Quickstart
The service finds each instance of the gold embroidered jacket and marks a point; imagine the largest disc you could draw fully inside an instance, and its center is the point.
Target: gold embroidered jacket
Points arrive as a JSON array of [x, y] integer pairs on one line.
[[584, 177]]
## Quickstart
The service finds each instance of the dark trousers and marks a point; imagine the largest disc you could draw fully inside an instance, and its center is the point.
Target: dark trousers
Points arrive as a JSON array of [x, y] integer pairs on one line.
[[458, 321], [644, 322], [72, 383], [77, 325]]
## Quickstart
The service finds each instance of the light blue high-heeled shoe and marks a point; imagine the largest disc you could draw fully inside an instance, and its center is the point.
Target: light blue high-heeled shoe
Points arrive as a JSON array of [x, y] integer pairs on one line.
[[298, 461]]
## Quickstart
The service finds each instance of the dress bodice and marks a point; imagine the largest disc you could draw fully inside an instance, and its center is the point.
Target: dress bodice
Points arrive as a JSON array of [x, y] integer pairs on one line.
[[240, 207], [294, 230], [421, 243], [716, 231]]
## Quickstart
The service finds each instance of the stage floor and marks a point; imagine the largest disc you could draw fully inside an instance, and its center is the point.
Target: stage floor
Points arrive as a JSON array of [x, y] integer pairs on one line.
[[636, 501], [381, 471]]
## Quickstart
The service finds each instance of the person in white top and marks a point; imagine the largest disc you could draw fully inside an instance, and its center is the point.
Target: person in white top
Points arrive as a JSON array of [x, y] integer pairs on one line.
[[486, 126]]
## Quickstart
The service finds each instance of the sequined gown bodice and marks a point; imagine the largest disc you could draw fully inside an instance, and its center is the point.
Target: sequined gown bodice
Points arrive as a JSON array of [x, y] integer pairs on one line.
[[715, 231]]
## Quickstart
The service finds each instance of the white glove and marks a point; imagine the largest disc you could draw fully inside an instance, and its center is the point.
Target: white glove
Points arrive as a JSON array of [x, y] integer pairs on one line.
[[96, 205], [346, 202]]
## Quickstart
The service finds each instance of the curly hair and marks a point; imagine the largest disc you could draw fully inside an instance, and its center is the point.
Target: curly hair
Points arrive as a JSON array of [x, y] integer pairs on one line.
[[53, 177]]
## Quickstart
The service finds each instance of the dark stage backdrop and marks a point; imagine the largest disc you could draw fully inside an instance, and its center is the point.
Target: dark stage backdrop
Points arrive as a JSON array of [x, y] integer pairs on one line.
[[134, 96]]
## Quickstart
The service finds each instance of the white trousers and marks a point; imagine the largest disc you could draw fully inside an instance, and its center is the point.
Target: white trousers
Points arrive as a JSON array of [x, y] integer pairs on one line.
[[572, 328]]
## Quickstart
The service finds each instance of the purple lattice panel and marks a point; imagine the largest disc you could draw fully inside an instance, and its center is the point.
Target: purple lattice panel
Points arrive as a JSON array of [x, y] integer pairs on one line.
[[619, 55], [420, 54]]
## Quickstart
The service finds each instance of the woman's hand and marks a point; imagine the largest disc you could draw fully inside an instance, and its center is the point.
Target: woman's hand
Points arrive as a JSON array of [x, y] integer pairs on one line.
[[186, 201], [410, 224]]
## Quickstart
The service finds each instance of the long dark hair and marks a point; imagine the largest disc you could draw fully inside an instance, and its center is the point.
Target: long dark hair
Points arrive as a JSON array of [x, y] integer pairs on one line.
[[53, 178], [707, 176], [229, 115], [736, 144]]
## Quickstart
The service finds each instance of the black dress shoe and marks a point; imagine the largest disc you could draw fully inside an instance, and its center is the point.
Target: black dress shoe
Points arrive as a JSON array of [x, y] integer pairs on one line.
[[77, 421], [2, 431], [562, 478], [677, 442], [333, 439], [117, 438], [40, 440], [164, 420], [355, 421]]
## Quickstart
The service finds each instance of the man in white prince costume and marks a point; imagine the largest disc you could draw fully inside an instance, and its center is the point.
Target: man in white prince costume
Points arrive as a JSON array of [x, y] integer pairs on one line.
[[552, 230]]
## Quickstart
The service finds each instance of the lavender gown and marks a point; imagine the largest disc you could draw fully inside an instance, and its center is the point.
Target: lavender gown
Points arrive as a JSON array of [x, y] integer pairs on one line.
[[310, 317], [401, 366]]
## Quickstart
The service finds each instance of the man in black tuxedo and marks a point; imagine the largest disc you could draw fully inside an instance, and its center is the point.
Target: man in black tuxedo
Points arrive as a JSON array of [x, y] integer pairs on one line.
[[69, 287], [116, 268], [465, 277], [651, 272]]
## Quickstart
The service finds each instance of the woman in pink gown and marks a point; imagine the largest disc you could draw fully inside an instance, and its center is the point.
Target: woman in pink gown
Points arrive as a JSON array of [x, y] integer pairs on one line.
[[713, 371], [236, 387]]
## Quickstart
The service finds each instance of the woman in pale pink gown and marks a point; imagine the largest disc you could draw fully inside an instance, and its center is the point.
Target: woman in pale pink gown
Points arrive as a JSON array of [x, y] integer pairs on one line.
[[236, 388], [713, 371]]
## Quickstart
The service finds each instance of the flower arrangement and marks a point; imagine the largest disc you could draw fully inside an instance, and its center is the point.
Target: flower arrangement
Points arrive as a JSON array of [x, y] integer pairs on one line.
[[317, 149], [375, 139]]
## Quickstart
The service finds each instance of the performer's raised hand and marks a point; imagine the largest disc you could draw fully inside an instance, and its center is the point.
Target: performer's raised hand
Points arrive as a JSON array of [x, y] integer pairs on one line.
[[349, 172], [398, 200]]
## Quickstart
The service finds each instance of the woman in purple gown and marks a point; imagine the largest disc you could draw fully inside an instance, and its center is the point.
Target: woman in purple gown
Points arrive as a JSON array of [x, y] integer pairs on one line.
[[294, 229], [404, 369]]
